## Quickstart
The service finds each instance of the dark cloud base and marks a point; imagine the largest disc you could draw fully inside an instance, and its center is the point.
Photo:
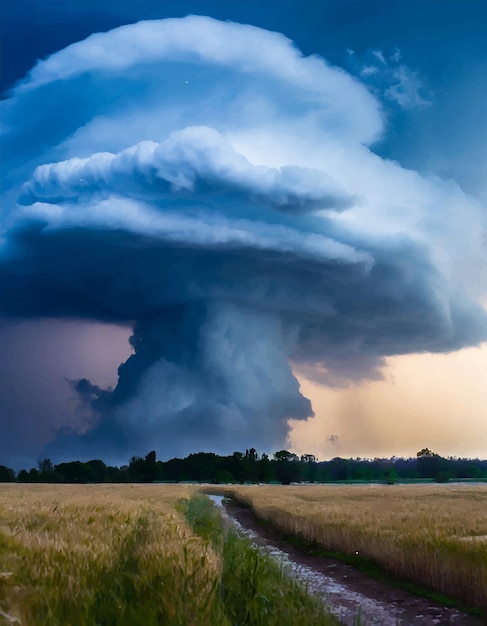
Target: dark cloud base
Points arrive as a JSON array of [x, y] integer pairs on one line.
[[209, 325]]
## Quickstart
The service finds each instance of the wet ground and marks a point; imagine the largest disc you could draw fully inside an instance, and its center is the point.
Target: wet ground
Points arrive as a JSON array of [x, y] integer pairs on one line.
[[346, 590]]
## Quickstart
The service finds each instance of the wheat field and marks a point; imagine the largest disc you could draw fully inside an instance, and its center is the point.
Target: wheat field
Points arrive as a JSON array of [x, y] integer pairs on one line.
[[76, 555], [434, 535], [136, 555], [111, 554]]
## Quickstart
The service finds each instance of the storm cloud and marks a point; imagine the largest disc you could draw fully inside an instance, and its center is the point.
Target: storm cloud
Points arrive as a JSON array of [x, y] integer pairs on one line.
[[207, 184]]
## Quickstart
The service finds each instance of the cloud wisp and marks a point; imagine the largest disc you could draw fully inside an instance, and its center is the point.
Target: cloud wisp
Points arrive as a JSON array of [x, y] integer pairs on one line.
[[391, 77], [209, 185]]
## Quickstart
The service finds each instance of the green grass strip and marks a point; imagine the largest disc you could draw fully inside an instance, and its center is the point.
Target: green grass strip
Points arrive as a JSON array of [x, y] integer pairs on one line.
[[255, 591]]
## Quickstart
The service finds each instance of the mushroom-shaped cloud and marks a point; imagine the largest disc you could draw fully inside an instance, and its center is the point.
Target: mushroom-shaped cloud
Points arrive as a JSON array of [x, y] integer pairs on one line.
[[208, 184]]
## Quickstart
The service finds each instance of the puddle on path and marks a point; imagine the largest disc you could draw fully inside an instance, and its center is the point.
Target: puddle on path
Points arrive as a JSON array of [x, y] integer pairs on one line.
[[343, 588]]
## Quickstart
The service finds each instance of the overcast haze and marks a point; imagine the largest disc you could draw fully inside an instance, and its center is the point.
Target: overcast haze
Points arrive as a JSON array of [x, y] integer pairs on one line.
[[281, 205]]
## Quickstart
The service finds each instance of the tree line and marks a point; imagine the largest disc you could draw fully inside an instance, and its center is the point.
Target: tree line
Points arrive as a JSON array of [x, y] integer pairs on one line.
[[250, 467]]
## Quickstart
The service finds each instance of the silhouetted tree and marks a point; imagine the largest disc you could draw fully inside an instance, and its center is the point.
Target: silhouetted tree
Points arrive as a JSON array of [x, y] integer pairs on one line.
[[75, 472], [425, 452], [45, 466], [237, 468], [7, 475], [224, 476], [285, 455], [288, 467], [442, 476], [250, 467], [99, 470], [135, 470], [150, 467], [391, 476], [429, 463], [266, 469], [338, 469]]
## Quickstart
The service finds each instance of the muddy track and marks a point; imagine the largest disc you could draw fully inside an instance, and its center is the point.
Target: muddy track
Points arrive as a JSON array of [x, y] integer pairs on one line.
[[345, 589]]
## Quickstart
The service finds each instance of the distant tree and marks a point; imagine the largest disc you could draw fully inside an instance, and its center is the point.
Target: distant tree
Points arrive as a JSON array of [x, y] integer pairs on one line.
[[285, 455], [250, 466], [407, 468], [237, 467], [251, 454], [171, 470], [288, 467], [468, 470], [391, 476], [442, 476], [75, 472], [266, 469], [202, 466], [310, 467], [45, 465], [339, 469], [7, 475], [142, 470], [160, 473], [33, 475], [150, 467], [115, 475], [23, 476], [99, 469], [224, 476], [429, 463], [47, 472], [135, 470], [425, 452]]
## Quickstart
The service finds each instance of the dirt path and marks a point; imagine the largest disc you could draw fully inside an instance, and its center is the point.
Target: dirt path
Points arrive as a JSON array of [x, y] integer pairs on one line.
[[347, 590]]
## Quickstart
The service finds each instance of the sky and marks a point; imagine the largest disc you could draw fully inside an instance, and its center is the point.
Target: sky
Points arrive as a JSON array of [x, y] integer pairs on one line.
[[237, 224]]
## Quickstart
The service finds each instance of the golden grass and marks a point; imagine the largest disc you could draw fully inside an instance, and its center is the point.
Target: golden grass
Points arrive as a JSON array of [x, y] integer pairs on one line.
[[111, 554], [79, 555], [426, 533]]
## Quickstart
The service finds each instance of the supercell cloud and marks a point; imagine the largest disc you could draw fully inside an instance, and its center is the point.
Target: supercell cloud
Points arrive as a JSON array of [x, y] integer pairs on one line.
[[207, 184]]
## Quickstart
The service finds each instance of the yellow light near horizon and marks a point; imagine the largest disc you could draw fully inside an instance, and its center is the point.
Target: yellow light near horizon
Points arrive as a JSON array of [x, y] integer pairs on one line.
[[437, 401]]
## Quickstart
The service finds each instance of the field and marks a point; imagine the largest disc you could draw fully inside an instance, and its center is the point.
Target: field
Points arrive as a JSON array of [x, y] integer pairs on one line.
[[129, 555], [123, 555], [433, 535], [70, 554]]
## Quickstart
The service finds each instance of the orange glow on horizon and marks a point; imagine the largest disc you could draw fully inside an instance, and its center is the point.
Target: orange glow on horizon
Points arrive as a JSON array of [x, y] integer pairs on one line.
[[437, 401]]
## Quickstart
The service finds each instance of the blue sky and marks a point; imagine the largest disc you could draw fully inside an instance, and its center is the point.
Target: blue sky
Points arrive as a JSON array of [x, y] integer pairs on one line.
[[299, 189]]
